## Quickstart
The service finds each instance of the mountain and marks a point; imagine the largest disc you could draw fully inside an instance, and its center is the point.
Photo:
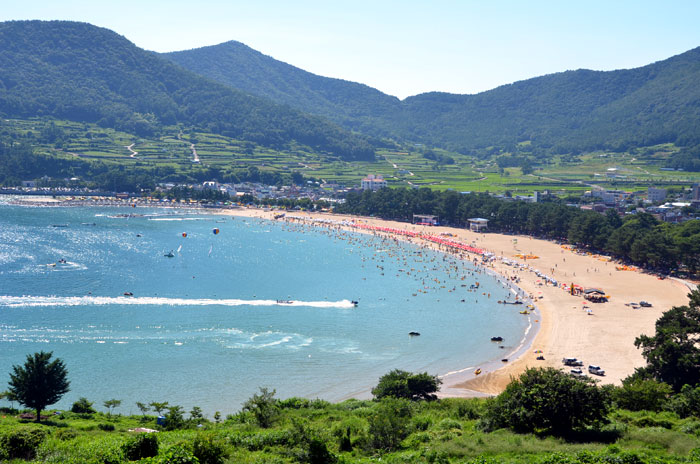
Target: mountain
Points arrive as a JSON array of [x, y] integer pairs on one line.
[[354, 106], [81, 72], [564, 112]]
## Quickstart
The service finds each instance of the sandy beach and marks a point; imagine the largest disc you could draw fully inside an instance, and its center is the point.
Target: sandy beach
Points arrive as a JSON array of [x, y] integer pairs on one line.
[[566, 325]]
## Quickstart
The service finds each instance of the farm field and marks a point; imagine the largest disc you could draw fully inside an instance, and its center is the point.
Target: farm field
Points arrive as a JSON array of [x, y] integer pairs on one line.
[[185, 150]]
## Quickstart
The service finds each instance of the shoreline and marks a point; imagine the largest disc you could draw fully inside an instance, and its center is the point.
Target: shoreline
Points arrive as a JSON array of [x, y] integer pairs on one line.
[[564, 327], [600, 334]]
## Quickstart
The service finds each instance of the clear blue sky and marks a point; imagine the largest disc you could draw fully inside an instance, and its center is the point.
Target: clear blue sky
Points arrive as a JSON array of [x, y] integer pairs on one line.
[[404, 47]]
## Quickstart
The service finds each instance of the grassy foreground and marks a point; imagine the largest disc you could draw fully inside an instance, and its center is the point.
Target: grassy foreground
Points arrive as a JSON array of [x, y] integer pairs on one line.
[[301, 430]]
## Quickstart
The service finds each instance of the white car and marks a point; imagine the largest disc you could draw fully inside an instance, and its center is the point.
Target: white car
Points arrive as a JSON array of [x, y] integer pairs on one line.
[[596, 370]]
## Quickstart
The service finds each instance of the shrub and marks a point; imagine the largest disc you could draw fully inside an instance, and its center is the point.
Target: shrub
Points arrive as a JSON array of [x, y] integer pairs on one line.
[[21, 443], [388, 424], [82, 406], [175, 418], [402, 384], [143, 445], [637, 394], [65, 434], [177, 454], [106, 427], [208, 450], [687, 402], [264, 407], [549, 401]]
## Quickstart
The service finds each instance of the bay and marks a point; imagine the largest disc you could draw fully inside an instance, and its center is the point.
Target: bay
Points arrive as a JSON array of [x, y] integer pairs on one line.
[[260, 304]]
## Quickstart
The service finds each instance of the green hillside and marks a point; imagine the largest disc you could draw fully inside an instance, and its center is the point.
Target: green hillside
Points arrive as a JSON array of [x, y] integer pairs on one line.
[[566, 112], [354, 106], [80, 72]]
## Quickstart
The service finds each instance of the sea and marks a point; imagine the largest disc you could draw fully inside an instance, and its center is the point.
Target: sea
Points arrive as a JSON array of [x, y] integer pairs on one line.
[[200, 309]]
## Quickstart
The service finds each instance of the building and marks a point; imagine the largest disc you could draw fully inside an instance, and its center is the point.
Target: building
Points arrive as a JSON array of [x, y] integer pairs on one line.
[[425, 219], [478, 224], [656, 195], [696, 192], [373, 182]]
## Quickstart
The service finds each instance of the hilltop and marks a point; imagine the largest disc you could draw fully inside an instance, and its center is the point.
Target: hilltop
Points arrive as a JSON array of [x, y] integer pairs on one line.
[[571, 111], [79, 72]]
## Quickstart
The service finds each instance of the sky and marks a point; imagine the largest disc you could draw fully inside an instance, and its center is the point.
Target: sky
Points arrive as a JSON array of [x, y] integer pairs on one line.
[[407, 47]]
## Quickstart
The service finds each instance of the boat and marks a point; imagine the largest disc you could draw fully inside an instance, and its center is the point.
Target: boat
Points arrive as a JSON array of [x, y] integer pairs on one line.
[[284, 302], [524, 312], [170, 254], [128, 294], [414, 334], [477, 372], [355, 303], [496, 339]]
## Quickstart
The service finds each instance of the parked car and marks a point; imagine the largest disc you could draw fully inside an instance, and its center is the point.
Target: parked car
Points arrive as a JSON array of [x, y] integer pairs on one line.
[[572, 362], [577, 372], [596, 370], [645, 304]]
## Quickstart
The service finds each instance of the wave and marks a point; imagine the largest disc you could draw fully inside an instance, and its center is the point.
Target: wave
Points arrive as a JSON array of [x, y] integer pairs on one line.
[[32, 301]]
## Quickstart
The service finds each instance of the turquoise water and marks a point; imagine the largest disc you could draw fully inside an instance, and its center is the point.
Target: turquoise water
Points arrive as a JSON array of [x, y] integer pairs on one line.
[[205, 328]]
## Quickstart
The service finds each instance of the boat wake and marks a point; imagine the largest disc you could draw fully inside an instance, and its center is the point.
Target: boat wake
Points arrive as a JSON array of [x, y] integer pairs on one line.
[[34, 301]]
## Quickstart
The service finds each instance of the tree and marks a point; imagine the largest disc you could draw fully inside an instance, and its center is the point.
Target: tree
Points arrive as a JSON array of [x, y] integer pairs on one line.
[[158, 407], [143, 408], [263, 406], [111, 404], [82, 406], [402, 384], [549, 401], [175, 418], [196, 415], [637, 394], [39, 383], [672, 354]]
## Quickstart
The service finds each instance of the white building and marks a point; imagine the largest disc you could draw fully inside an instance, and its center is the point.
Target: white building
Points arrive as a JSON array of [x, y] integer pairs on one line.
[[372, 182], [478, 224], [656, 195]]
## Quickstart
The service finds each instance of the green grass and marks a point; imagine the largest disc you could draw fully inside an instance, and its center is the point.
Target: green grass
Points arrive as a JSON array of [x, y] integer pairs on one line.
[[441, 431]]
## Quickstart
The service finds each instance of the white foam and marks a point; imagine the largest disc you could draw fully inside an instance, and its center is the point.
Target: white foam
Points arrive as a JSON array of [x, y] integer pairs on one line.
[[33, 301]]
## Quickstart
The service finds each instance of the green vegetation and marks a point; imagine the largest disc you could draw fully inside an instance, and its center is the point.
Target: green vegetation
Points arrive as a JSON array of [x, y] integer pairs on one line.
[[550, 402], [39, 383], [406, 385], [672, 354], [84, 73], [397, 431], [564, 113]]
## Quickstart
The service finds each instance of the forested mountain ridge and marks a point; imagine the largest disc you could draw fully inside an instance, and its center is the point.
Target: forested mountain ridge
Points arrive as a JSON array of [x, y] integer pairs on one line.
[[565, 112], [81, 72], [355, 106]]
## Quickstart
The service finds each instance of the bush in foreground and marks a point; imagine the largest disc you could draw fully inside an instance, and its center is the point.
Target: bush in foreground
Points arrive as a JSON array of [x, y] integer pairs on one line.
[[546, 400], [402, 384], [143, 445]]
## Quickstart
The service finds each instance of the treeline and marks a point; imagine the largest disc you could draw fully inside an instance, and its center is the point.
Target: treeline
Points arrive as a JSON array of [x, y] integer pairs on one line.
[[638, 238], [80, 72]]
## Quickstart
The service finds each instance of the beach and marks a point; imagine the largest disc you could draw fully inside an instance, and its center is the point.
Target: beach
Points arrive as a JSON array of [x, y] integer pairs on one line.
[[566, 325]]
